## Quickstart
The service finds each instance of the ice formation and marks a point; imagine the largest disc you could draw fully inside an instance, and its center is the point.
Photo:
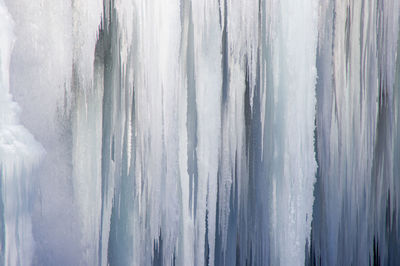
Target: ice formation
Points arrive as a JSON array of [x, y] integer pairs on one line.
[[199, 132], [19, 153]]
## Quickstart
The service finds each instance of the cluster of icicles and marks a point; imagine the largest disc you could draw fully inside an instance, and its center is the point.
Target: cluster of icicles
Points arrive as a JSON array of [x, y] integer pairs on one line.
[[199, 132]]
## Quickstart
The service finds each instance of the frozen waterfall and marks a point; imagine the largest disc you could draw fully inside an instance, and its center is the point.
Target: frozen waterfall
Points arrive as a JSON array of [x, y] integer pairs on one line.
[[199, 132]]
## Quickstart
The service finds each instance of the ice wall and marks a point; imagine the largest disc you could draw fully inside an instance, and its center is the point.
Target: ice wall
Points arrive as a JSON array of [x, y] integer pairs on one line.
[[292, 158], [19, 153], [199, 132], [193, 125], [51, 76], [355, 218]]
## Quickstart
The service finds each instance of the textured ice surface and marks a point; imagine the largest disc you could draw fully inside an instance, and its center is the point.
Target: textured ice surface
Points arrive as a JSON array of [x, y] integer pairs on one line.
[[356, 210], [19, 153], [199, 132]]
